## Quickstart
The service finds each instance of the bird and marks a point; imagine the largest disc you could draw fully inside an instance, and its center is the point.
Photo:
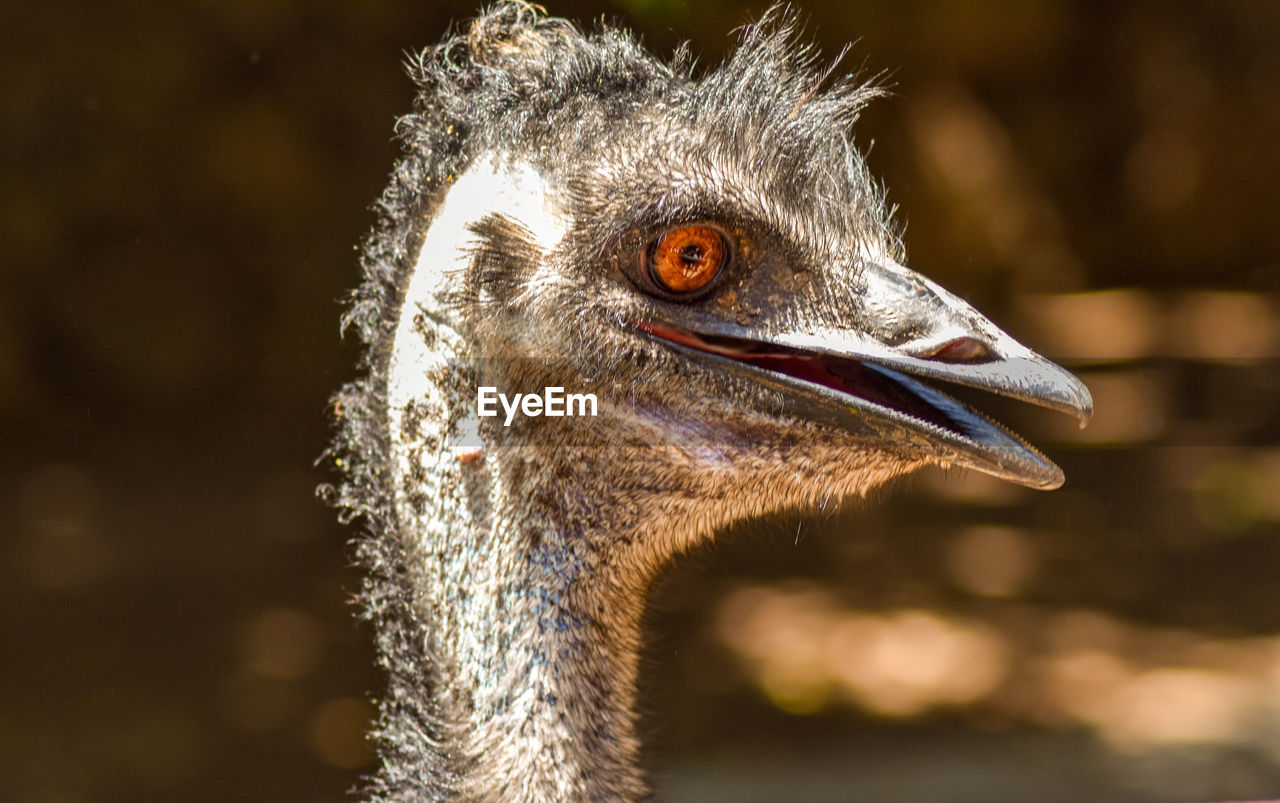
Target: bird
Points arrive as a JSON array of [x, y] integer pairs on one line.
[[703, 256]]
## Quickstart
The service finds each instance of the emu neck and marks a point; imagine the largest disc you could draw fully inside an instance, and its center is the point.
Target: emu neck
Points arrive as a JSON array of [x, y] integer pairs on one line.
[[535, 652], [510, 639], [530, 629]]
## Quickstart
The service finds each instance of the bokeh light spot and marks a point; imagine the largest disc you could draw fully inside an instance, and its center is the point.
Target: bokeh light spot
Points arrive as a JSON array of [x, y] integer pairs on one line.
[[992, 561], [338, 733]]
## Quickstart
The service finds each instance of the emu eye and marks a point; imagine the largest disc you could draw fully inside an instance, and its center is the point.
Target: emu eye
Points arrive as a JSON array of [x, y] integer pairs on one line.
[[686, 259]]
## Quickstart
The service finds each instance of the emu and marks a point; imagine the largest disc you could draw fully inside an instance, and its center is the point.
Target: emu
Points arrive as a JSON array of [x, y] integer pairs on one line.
[[708, 257]]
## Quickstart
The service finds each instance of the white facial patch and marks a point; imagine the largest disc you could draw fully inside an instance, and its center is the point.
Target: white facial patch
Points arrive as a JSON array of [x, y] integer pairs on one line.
[[425, 334], [490, 186]]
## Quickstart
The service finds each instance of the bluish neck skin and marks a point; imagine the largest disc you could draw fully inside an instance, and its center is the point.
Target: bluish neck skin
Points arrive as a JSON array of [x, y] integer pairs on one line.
[[563, 698]]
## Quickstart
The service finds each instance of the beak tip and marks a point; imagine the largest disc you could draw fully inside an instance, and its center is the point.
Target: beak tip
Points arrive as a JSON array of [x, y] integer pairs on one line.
[[1048, 478], [1083, 403]]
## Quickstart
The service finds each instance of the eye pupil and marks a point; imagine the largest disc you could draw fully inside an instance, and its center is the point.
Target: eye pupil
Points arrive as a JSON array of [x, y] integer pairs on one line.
[[691, 254], [686, 259]]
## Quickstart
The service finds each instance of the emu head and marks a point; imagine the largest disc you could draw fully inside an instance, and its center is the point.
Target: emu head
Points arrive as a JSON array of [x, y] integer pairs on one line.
[[707, 256]]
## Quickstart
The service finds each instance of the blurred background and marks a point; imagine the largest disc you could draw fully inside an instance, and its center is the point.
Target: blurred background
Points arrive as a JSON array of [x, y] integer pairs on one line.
[[184, 187]]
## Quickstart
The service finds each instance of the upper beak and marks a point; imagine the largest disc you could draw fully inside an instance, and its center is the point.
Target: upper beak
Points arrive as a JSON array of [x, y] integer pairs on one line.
[[864, 375], [899, 301]]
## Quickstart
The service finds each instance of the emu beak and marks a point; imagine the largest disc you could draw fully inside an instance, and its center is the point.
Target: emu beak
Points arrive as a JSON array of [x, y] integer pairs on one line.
[[863, 374]]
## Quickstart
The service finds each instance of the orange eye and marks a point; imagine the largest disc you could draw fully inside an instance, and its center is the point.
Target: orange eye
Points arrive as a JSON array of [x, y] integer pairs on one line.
[[688, 258]]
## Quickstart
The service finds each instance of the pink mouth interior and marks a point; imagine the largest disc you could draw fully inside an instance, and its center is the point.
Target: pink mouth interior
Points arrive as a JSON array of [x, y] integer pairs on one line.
[[838, 373]]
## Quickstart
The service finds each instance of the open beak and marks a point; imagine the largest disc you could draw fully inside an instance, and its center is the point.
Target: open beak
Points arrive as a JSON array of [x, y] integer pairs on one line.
[[871, 378]]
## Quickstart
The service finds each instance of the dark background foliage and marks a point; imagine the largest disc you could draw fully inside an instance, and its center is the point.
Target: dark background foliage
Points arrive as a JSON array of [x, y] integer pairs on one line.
[[184, 184]]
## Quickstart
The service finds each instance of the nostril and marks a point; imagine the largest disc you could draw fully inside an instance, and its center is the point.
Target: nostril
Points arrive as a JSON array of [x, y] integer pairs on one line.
[[962, 350]]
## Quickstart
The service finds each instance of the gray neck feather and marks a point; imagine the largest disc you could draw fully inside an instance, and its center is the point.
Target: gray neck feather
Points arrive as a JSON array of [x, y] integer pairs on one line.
[[529, 603]]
